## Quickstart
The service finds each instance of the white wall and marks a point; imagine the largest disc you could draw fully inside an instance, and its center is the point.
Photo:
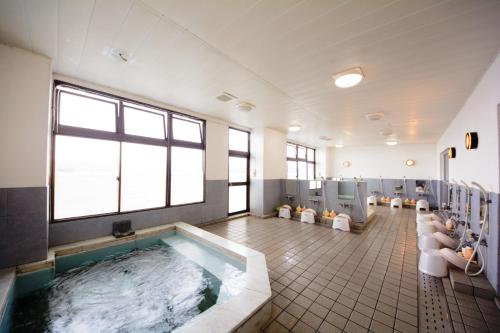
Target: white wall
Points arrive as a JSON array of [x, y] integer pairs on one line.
[[24, 118], [479, 114], [217, 151], [385, 161], [274, 154]]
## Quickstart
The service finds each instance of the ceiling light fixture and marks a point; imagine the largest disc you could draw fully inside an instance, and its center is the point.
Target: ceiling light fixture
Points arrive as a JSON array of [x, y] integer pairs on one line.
[[346, 164], [294, 128], [391, 142], [410, 163], [339, 145], [325, 138], [348, 78]]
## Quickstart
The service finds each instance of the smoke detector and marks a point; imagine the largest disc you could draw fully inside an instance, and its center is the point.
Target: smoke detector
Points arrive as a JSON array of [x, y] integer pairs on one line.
[[226, 97], [244, 106], [120, 55], [374, 116]]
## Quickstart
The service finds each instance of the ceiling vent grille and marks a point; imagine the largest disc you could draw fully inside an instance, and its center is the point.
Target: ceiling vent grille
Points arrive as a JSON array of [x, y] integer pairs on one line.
[[226, 97]]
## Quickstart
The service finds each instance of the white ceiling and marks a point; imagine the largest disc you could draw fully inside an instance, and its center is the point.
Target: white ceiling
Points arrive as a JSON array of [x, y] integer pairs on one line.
[[421, 58]]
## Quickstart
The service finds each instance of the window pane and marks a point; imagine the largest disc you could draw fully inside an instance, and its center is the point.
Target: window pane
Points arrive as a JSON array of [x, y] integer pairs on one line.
[[238, 140], [302, 170], [237, 169], [86, 172], [310, 154], [144, 123], [310, 170], [144, 176], [301, 152], [291, 151], [186, 129], [87, 112], [187, 175], [237, 198], [292, 169]]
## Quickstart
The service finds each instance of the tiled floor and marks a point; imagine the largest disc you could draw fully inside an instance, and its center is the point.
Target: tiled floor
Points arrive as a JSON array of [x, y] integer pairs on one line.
[[330, 281]]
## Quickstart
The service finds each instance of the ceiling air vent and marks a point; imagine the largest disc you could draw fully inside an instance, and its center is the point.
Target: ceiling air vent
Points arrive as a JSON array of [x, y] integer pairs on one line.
[[226, 97], [374, 116]]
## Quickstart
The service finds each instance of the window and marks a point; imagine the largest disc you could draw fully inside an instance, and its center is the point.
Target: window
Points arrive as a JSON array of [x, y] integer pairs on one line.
[[187, 175], [86, 173], [301, 162], [112, 155], [239, 178], [143, 176]]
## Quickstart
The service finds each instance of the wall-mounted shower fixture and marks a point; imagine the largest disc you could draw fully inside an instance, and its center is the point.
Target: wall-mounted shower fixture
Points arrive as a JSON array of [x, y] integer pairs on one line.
[[471, 140]]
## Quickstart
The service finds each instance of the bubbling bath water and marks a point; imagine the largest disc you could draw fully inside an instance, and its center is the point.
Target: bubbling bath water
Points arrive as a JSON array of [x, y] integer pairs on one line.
[[149, 290]]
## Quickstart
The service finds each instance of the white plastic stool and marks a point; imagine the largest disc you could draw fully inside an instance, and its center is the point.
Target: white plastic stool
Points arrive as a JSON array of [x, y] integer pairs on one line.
[[396, 203], [425, 228], [424, 217], [432, 263], [371, 200], [307, 217], [428, 242], [284, 213], [341, 223], [422, 205]]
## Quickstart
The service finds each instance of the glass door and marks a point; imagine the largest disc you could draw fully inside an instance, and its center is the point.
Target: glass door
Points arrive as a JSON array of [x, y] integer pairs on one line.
[[239, 171]]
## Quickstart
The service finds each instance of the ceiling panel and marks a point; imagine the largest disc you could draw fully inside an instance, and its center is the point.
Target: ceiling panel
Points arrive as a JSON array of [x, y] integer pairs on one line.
[[421, 58]]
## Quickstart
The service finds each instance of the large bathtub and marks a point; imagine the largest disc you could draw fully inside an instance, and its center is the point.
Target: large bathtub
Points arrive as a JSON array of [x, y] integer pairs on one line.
[[170, 278]]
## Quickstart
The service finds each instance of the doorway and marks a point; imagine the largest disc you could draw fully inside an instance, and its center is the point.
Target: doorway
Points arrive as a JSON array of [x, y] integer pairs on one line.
[[444, 165], [239, 171]]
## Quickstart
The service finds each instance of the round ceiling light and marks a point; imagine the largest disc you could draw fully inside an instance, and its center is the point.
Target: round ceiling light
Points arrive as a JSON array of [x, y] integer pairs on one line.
[[348, 78], [391, 142], [410, 163], [346, 164], [294, 128], [339, 145]]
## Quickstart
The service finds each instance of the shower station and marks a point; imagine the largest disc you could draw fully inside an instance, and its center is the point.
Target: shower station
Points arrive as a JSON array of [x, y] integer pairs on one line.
[[446, 238]]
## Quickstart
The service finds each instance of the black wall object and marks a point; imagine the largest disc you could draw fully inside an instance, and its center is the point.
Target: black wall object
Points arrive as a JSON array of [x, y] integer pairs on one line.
[[452, 152], [471, 140]]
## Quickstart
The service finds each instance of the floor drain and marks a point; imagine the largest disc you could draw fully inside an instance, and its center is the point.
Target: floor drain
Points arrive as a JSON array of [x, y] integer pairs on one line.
[[433, 306]]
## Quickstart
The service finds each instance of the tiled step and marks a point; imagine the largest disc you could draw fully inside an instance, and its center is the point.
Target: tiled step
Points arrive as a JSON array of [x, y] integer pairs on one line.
[[472, 285]]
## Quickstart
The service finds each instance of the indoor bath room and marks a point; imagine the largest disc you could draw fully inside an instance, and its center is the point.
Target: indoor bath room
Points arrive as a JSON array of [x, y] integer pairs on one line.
[[249, 166]]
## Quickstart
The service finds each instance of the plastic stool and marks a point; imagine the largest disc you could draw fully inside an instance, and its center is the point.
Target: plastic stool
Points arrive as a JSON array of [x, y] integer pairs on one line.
[[341, 223], [307, 217], [396, 203], [422, 206], [428, 242], [432, 263], [371, 200], [284, 213]]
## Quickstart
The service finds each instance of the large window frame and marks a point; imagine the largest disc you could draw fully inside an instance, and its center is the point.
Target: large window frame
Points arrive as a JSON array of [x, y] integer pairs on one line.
[[236, 153], [296, 159], [120, 136]]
